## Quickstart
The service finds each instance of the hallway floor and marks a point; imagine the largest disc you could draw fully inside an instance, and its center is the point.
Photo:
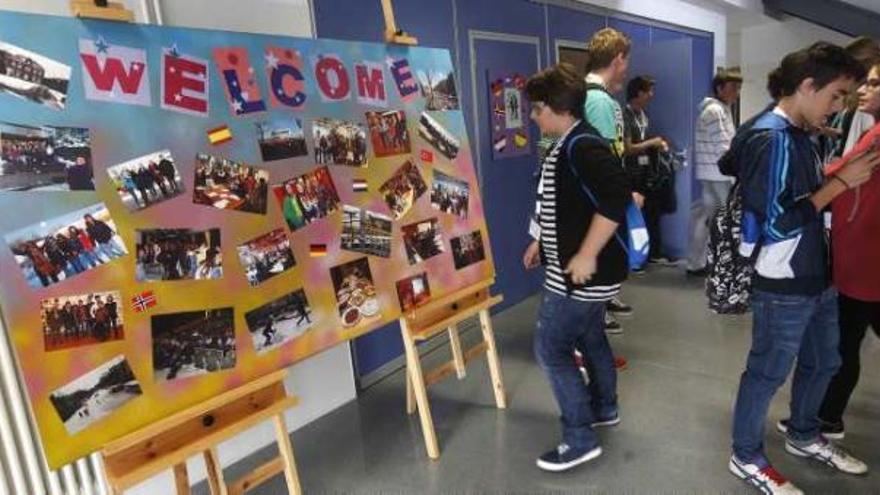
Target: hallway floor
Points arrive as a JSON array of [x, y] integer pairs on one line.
[[676, 399]]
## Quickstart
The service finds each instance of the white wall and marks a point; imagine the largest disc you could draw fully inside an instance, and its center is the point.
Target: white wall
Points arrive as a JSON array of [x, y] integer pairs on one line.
[[763, 46], [323, 382], [679, 12]]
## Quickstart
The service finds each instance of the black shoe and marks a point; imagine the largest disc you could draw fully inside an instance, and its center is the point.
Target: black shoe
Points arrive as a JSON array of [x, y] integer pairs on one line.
[[564, 457], [700, 272], [619, 307], [832, 431], [661, 260], [612, 327]]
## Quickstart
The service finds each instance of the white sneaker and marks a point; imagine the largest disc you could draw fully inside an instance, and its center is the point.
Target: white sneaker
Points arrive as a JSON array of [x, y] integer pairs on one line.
[[766, 479], [824, 451]]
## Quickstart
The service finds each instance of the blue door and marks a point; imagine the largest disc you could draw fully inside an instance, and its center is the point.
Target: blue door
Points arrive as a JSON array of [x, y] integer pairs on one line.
[[672, 114], [507, 185]]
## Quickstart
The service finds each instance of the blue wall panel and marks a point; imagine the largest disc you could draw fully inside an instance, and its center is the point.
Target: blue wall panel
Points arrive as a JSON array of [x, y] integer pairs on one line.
[[571, 25], [661, 34], [640, 34]]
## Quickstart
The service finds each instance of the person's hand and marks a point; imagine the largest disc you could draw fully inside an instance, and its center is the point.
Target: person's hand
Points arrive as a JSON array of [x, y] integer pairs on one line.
[[581, 268], [858, 170], [829, 132], [638, 199], [532, 256], [659, 142]]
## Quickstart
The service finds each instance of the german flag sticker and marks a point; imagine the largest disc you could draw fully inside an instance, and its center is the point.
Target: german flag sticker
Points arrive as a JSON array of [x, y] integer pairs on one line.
[[317, 250]]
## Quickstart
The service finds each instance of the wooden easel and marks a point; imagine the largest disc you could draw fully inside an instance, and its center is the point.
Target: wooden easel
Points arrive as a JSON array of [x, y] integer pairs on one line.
[[392, 33], [113, 11], [168, 443], [441, 315]]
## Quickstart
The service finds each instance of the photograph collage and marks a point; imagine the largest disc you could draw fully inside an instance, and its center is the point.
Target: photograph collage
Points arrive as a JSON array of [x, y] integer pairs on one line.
[[36, 157]]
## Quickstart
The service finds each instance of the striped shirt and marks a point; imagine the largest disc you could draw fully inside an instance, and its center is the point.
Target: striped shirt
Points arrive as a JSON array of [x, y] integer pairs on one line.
[[715, 131], [554, 277]]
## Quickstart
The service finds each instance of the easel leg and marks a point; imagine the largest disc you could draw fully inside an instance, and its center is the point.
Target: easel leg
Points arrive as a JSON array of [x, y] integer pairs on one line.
[[457, 355], [492, 357], [181, 479], [215, 472], [414, 370], [286, 448], [410, 397]]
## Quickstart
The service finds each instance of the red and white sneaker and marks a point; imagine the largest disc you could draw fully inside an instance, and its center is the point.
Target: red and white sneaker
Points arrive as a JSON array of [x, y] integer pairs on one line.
[[766, 479]]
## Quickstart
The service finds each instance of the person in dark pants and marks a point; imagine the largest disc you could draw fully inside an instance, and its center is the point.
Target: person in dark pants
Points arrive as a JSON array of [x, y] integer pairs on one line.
[[855, 235], [638, 158], [583, 250], [166, 169], [794, 305]]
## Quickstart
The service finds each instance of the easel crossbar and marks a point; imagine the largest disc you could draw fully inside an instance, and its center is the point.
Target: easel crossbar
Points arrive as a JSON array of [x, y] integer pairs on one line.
[[160, 463], [443, 371], [195, 411], [257, 477], [432, 329]]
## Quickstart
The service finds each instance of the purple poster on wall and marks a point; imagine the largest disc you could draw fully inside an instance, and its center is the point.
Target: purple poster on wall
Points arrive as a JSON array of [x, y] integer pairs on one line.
[[509, 116]]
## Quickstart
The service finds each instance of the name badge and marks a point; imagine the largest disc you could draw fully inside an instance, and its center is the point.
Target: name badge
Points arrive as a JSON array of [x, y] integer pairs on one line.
[[534, 229], [644, 160], [827, 217]]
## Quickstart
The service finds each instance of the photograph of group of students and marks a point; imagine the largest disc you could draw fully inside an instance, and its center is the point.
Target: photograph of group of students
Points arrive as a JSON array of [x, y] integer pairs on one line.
[[83, 319], [422, 240], [62, 247], [96, 394], [146, 180], [280, 321], [45, 158], [281, 138], [449, 194], [193, 343], [266, 256], [467, 249], [178, 254], [402, 190], [229, 185], [307, 198], [339, 142], [388, 133]]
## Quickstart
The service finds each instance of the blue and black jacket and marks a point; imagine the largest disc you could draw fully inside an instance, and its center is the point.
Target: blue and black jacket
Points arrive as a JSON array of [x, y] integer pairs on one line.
[[779, 168]]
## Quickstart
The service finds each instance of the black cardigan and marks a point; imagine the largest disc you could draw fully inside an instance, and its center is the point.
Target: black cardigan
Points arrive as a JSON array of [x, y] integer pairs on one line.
[[600, 169]]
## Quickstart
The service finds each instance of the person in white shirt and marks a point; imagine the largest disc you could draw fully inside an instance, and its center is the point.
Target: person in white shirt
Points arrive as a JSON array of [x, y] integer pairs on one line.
[[715, 131]]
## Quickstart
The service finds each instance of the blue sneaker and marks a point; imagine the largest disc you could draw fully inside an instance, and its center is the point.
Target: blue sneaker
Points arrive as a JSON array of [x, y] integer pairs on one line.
[[563, 457]]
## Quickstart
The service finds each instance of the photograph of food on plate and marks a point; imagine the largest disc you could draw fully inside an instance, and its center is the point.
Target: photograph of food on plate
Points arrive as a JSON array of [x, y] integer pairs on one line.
[[355, 292]]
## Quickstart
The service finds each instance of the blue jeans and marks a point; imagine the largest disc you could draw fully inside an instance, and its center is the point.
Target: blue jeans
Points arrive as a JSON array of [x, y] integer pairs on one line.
[[563, 325], [786, 328], [88, 259], [110, 249]]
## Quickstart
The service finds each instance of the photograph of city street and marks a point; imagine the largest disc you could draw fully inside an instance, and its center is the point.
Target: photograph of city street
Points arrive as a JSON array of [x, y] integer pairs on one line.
[[366, 232]]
